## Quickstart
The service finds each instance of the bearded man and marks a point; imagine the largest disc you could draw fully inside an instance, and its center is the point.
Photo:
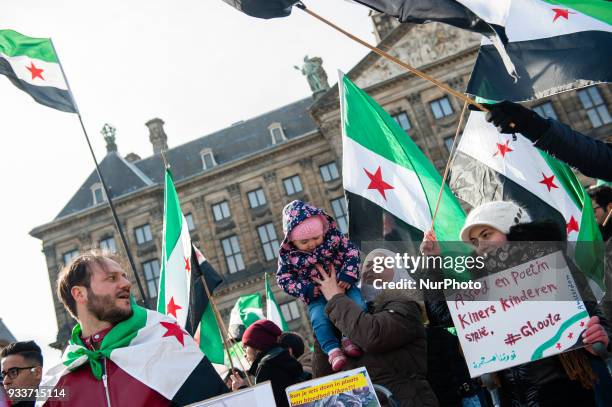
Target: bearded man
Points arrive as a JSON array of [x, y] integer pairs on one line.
[[119, 353]]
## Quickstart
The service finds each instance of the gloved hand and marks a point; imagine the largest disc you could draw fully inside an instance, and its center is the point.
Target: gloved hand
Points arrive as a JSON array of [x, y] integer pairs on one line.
[[526, 121]]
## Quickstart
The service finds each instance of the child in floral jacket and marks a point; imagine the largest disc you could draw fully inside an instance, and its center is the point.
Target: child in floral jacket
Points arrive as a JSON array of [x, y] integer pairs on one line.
[[312, 238]]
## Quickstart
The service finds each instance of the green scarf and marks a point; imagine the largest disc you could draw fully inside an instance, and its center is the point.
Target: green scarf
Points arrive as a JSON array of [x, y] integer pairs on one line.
[[118, 337]]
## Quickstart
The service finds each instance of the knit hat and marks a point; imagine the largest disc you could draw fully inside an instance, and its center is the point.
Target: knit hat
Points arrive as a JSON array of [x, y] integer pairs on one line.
[[261, 335], [310, 227], [501, 215]]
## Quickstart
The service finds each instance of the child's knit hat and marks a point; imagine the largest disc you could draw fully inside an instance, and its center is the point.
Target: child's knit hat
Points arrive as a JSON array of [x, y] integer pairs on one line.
[[310, 227]]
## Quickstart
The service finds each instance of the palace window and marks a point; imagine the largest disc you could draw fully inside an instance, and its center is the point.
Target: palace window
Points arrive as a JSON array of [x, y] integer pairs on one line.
[[441, 107], [256, 198], [339, 208], [269, 241], [143, 234], [546, 110], [233, 256], [402, 119], [329, 171], [595, 106], [151, 275], [292, 185]]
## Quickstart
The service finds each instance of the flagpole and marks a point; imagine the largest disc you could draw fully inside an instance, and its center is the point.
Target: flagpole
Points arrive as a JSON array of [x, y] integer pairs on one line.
[[223, 330], [404, 65], [448, 163], [145, 298]]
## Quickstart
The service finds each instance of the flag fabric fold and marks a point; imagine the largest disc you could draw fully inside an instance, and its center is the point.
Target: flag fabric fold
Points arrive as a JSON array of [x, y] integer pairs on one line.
[[273, 310], [182, 294], [556, 45], [391, 186], [246, 310], [175, 366], [491, 166], [32, 65]]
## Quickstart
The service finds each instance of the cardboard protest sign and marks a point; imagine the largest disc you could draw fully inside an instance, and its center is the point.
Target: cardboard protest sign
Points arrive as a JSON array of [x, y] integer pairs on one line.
[[259, 395], [352, 387], [525, 313]]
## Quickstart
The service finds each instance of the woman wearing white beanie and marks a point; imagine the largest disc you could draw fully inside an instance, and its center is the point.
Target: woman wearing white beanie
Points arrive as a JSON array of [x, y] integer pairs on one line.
[[489, 227]]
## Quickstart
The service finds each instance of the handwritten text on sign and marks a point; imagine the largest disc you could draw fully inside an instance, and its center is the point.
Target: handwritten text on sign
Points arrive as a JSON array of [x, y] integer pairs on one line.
[[519, 315]]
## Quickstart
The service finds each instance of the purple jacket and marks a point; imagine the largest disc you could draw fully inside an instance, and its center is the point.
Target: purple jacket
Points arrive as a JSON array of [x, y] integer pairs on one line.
[[297, 268]]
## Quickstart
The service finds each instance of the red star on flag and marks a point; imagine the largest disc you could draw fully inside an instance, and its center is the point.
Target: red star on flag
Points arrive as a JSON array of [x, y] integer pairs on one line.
[[558, 346], [187, 265], [561, 12], [173, 329], [582, 324], [549, 182], [36, 72], [171, 308], [572, 225], [502, 149], [377, 182], [570, 335]]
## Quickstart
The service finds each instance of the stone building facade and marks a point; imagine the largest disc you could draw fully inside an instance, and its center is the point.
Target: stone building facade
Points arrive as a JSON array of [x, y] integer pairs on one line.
[[6, 336], [233, 183]]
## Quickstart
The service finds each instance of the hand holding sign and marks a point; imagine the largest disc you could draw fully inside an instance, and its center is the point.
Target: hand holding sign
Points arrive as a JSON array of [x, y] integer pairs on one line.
[[595, 333]]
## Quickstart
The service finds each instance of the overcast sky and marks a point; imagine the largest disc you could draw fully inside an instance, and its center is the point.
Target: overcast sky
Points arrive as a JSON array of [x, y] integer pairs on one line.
[[200, 65]]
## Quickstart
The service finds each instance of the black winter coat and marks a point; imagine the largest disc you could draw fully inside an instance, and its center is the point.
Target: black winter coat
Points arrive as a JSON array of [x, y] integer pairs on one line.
[[591, 157], [543, 382], [282, 369]]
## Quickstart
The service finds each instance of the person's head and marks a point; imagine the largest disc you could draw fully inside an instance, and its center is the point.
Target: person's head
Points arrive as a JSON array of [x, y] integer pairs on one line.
[[601, 198], [308, 234], [486, 227], [380, 264], [375, 267], [21, 365], [94, 285], [261, 336], [294, 343]]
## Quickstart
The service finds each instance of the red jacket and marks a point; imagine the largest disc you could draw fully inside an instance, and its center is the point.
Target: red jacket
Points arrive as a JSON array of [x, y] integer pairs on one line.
[[119, 388]]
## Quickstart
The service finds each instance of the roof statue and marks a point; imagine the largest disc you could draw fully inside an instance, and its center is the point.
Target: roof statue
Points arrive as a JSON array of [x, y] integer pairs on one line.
[[315, 74]]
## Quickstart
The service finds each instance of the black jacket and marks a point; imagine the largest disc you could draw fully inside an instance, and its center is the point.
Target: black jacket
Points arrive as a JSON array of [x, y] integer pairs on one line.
[[531, 384], [282, 369], [591, 157]]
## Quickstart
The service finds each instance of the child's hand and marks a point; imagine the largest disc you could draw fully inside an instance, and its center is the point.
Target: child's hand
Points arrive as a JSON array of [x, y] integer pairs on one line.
[[344, 285], [316, 292]]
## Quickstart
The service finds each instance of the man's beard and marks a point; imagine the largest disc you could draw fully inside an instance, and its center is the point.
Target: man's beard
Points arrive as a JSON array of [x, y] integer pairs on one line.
[[104, 309]]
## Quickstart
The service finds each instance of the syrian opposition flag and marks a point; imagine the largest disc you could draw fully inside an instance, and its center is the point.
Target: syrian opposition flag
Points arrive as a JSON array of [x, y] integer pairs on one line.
[[391, 186], [182, 294], [201, 317], [490, 166], [246, 310], [151, 348], [556, 45], [32, 65], [273, 311]]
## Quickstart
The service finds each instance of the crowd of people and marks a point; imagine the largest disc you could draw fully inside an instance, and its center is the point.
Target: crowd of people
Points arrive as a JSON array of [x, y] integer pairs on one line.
[[404, 338]]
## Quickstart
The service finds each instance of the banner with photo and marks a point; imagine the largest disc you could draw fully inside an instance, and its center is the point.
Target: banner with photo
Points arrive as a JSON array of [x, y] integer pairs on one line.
[[352, 387]]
